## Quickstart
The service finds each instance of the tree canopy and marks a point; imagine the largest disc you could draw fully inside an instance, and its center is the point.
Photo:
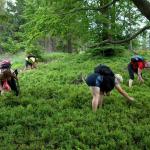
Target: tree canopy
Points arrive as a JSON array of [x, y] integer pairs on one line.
[[72, 25]]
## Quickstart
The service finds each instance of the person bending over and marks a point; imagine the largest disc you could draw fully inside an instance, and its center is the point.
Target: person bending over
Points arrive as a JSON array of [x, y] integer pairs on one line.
[[30, 61], [8, 78], [101, 82], [136, 65]]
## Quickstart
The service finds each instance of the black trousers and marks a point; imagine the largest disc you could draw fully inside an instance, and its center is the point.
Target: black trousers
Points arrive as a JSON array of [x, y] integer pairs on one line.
[[27, 63], [13, 85], [131, 71]]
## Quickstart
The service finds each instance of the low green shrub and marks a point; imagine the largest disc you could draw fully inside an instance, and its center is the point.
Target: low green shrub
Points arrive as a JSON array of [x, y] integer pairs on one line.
[[54, 109]]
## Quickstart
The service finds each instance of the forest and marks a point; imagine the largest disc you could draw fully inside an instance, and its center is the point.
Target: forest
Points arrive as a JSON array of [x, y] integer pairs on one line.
[[73, 26], [69, 38]]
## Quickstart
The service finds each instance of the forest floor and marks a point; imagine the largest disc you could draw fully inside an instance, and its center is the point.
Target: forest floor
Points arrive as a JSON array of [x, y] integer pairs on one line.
[[54, 111]]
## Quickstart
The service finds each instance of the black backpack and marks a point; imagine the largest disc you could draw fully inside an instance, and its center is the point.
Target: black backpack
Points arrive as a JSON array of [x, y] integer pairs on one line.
[[103, 70], [108, 77]]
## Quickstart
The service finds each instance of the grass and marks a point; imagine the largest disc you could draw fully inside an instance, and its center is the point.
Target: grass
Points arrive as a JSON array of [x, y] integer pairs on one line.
[[54, 108]]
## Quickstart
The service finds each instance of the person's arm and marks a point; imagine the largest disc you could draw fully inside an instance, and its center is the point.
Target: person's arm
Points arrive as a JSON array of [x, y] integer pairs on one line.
[[1, 89], [15, 77], [140, 68], [140, 75], [123, 93]]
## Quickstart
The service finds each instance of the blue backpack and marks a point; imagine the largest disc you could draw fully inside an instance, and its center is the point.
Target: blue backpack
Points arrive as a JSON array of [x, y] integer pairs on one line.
[[137, 58]]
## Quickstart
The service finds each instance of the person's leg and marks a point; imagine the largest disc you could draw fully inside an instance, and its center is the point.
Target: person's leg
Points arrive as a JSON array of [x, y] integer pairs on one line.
[[96, 97], [100, 103], [131, 74], [28, 65], [13, 86], [1, 88], [34, 65]]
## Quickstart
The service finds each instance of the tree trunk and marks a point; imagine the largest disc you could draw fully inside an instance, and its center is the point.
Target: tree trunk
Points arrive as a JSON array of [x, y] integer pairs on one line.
[[144, 41], [69, 44], [106, 26], [143, 6], [130, 27], [130, 46], [49, 44]]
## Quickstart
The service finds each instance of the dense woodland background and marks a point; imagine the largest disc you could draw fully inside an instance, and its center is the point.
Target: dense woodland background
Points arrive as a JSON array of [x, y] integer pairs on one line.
[[73, 25]]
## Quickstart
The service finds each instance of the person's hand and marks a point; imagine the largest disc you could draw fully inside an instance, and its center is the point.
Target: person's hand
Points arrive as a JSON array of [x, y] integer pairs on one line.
[[131, 99], [141, 79], [108, 93]]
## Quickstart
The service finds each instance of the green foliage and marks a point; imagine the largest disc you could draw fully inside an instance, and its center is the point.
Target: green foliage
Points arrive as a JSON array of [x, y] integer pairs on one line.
[[73, 25], [54, 19], [11, 46], [11, 35], [54, 110], [34, 50]]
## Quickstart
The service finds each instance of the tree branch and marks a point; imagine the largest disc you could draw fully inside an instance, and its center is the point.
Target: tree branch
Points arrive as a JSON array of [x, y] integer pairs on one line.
[[93, 8], [109, 4], [125, 40]]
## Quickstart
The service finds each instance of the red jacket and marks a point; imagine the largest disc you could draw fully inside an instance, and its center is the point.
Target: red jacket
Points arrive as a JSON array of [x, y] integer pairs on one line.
[[136, 65]]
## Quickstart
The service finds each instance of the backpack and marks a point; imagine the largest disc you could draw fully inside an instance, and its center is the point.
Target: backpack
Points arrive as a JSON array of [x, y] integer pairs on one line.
[[108, 77], [137, 58], [5, 64], [31, 59], [108, 83], [103, 70]]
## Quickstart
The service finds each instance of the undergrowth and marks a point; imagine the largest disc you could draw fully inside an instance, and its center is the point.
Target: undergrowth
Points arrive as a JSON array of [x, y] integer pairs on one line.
[[54, 109]]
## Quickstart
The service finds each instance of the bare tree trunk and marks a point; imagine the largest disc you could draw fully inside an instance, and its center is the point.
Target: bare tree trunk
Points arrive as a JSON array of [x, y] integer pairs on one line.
[[143, 6], [130, 28], [49, 44], [130, 46], [106, 26], [144, 41]]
